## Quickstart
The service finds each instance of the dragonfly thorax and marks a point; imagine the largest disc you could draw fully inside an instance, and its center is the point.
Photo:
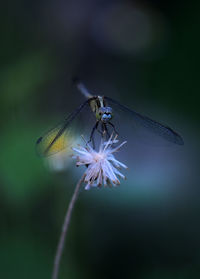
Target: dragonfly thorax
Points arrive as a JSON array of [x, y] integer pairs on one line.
[[104, 114]]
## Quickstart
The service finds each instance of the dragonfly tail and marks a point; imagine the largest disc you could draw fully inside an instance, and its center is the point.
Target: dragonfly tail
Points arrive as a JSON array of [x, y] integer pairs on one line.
[[81, 87]]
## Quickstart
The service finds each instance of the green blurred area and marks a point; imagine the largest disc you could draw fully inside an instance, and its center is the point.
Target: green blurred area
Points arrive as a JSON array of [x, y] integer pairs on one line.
[[136, 230]]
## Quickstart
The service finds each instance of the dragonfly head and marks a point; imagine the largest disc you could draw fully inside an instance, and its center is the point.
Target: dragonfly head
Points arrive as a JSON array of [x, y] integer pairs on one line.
[[105, 114]]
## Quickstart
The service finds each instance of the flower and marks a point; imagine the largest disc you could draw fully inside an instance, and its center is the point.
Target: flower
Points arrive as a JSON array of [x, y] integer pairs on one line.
[[102, 167]]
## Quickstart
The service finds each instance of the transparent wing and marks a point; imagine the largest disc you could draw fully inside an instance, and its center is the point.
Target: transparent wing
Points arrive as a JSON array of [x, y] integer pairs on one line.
[[63, 135], [145, 122], [54, 140]]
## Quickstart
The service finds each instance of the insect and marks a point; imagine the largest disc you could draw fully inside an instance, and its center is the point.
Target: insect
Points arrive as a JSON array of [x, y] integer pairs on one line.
[[102, 108]]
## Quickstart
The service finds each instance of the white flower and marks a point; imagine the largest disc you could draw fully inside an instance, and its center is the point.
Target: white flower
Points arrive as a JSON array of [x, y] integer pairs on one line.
[[102, 167]]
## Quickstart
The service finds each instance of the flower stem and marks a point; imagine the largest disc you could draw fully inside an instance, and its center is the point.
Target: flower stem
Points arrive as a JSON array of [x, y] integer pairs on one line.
[[67, 219]]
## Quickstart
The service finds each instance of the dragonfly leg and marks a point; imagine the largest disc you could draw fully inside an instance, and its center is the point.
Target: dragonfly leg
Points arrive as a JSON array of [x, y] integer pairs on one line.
[[106, 131], [111, 124], [92, 134], [102, 131]]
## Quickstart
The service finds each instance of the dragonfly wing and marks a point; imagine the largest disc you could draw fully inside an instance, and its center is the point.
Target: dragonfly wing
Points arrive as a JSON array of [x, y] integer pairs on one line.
[[60, 136], [50, 143], [153, 126]]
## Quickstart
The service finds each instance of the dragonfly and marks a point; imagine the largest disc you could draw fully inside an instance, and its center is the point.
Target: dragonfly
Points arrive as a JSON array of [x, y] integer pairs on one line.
[[101, 107]]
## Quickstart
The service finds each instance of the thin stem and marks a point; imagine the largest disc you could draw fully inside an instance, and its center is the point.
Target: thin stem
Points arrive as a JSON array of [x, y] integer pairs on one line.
[[67, 219]]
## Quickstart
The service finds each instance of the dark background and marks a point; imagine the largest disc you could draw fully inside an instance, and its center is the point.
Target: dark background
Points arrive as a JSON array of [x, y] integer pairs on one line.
[[143, 53]]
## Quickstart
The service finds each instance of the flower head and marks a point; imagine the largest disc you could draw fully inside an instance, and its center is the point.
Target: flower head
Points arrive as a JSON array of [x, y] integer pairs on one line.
[[102, 167]]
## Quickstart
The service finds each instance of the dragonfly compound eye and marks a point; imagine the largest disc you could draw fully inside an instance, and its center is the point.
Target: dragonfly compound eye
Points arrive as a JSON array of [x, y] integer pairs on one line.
[[106, 117], [105, 113]]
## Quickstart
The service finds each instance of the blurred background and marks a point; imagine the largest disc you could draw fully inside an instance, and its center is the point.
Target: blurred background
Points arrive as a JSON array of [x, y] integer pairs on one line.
[[144, 54]]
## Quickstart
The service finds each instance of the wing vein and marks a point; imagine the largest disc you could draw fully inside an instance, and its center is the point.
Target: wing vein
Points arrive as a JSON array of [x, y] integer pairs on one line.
[[156, 127], [67, 121]]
